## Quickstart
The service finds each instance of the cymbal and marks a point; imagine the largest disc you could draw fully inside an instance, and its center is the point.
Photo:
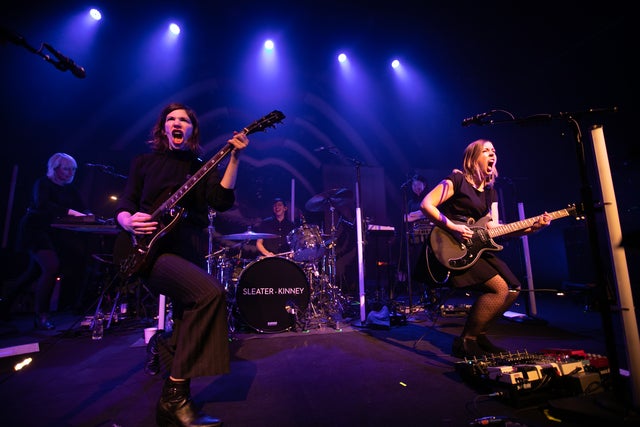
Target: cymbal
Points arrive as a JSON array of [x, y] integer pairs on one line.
[[333, 197], [249, 235]]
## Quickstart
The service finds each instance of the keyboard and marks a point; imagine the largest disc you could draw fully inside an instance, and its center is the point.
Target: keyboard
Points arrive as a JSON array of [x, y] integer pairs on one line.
[[70, 219]]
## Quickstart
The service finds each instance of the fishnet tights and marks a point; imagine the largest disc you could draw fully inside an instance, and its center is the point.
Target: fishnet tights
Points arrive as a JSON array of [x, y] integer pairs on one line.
[[494, 301]]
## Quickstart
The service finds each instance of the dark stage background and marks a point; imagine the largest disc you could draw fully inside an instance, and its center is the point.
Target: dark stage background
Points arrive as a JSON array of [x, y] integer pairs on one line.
[[459, 60]]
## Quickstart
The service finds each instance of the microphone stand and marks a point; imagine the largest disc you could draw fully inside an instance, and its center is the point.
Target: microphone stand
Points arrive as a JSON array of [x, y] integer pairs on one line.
[[360, 235], [360, 239], [405, 227], [17, 39]]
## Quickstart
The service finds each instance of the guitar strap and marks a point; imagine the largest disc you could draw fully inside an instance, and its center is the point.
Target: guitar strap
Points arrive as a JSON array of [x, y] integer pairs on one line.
[[487, 199], [430, 257]]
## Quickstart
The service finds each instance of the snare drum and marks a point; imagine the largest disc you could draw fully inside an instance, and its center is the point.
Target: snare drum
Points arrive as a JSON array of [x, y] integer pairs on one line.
[[306, 243], [227, 271], [270, 294]]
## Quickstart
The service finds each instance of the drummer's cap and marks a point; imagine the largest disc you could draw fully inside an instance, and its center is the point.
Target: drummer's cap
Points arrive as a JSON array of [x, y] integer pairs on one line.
[[279, 199]]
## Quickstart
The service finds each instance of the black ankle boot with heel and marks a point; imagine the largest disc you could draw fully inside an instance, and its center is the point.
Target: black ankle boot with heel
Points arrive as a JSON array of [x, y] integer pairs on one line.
[[42, 322], [467, 348], [176, 408], [488, 346]]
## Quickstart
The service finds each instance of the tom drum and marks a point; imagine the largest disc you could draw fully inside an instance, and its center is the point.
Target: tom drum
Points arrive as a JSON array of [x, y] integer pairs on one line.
[[306, 243], [270, 293]]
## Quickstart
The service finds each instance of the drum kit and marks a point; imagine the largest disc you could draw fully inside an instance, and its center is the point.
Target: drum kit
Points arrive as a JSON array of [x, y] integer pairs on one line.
[[295, 290]]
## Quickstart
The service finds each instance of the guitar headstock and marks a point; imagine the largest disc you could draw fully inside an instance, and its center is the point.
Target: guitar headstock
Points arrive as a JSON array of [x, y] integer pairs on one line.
[[265, 122], [576, 211]]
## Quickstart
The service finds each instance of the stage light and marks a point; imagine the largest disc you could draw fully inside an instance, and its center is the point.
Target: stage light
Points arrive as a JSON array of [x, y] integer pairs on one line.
[[269, 45], [22, 364], [395, 64], [342, 58], [95, 14], [175, 29]]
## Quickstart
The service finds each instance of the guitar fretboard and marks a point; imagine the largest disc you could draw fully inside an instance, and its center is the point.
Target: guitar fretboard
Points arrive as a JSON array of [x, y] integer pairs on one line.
[[525, 223]]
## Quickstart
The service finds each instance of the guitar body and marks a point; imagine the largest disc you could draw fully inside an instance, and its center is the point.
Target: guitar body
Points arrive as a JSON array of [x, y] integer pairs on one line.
[[135, 254], [456, 255]]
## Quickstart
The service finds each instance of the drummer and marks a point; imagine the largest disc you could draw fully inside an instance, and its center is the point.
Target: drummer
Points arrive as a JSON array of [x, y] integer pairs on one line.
[[277, 224]]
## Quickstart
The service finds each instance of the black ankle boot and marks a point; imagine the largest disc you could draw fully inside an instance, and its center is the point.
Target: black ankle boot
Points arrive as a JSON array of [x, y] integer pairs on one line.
[[488, 346], [467, 348], [42, 322], [176, 409]]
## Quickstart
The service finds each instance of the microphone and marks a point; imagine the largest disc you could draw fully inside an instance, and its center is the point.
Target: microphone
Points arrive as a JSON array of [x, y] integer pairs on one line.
[[99, 166], [477, 119], [65, 63], [407, 182]]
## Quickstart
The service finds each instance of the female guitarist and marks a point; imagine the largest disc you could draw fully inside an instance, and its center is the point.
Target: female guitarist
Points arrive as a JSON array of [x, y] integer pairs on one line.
[[463, 198], [171, 264]]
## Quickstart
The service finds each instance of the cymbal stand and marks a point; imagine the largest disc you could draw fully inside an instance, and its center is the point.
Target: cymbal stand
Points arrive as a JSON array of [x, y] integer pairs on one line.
[[326, 300], [217, 267], [331, 264], [210, 230]]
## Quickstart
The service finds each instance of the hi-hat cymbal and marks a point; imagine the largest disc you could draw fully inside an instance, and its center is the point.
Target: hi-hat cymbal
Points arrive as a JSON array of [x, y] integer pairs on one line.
[[249, 235], [333, 197]]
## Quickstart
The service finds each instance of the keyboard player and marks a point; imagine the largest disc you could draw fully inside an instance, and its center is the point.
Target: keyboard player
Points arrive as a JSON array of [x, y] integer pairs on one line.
[[417, 224], [417, 227], [53, 254]]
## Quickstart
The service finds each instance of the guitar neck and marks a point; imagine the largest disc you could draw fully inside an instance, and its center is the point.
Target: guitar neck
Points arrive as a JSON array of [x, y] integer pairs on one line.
[[172, 201], [259, 125], [523, 224]]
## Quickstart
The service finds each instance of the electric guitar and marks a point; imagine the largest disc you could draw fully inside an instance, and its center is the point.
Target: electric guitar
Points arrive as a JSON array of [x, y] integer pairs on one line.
[[135, 254], [456, 255]]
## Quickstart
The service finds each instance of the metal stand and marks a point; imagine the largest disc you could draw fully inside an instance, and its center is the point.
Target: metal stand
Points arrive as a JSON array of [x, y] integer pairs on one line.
[[405, 222], [360, 238], [331, 260], [326, 303], [210, 231], [326, 298]]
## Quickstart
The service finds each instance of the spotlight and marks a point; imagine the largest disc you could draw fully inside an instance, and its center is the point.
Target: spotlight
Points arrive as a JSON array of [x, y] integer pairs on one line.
[[175, 29], [269, 45], [95, 14]]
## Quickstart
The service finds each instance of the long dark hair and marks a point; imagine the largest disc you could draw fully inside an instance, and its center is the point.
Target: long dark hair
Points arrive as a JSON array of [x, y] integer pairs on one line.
[[159, 140]]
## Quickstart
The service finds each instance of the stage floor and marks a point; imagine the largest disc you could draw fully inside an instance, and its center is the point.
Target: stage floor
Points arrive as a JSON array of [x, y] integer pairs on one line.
[[354, 375]]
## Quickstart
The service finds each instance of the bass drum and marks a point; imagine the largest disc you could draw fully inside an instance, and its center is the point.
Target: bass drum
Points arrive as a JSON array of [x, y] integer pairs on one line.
[[271, 293]]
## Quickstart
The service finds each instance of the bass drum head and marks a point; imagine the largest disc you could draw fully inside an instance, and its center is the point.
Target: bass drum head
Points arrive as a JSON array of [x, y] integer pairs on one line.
[[271, 293]]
